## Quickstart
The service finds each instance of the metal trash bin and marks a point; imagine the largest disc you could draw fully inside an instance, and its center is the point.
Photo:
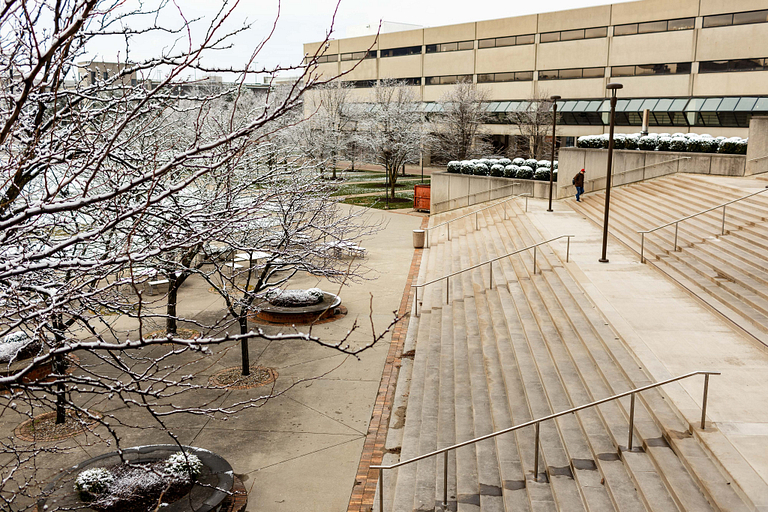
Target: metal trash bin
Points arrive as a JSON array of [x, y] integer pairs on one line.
[[418, 238]]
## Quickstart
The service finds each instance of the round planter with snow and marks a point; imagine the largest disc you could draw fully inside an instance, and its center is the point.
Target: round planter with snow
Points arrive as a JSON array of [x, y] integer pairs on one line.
[[199, 482]]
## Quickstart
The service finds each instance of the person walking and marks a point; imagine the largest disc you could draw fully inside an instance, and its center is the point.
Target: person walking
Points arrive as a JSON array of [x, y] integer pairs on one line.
[[578, 180]]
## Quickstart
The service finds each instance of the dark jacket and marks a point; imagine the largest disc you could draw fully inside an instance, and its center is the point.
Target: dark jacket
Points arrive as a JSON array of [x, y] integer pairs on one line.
[[578, 180]]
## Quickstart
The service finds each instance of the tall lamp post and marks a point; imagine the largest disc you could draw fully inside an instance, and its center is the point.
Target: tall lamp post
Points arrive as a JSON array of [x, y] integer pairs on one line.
[[554, 143], [613, 87]]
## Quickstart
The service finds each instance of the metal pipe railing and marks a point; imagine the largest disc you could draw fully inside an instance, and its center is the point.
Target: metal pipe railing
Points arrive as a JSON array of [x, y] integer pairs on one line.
[[678, 221], [446, 277], [447, 223], [536, 424]]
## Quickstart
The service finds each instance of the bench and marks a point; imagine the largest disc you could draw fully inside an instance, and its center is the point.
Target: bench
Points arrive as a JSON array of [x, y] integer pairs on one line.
[[154, 286]]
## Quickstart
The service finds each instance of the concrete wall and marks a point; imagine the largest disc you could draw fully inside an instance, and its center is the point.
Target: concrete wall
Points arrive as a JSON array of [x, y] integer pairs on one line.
[[630, 166], [450, 191], [757, 150]]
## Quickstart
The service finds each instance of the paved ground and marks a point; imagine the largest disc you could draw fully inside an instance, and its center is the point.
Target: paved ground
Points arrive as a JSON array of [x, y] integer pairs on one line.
[[300, 451], [672, 333]]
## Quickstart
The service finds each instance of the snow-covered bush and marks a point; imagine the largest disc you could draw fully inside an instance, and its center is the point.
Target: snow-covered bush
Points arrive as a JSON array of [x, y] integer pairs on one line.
[[524, 173], [733, 146], [541, 174], [454, 166], [510, 171], [467, 167], [647, 143], [554, 165], [695, 143], [664, 143], [183, 465], [709, 144], [18, 345], [544, 163], [497, 170], [92, 482], [518, 161], [505, 161], [532, 163], [631, 141], [619, 141], [294, 298], [481, 169], [678, 143]]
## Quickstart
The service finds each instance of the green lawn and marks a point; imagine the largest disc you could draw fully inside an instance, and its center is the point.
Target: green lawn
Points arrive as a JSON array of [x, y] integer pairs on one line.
[[374, 186], [402, 200]]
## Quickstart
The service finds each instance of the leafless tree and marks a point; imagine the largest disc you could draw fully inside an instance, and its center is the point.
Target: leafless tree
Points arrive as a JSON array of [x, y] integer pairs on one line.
[[455, 130], [86, 165], [392, 131], [534, 123]]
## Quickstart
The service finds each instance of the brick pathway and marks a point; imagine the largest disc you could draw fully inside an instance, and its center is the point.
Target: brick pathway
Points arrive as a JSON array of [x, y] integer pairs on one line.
[[367, 479]]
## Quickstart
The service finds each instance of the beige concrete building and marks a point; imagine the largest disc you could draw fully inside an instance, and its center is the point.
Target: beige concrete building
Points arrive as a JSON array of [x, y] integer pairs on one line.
[[697, 65]]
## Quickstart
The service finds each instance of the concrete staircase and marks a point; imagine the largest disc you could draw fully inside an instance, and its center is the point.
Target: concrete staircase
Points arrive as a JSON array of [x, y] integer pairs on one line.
[[530, 346], [729, 272]]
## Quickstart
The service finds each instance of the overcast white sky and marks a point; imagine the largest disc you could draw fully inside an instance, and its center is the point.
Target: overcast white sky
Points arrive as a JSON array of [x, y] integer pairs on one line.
[[303, 21]]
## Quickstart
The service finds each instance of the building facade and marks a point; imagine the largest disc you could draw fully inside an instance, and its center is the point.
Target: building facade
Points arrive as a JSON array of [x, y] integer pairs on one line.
[[697, 65]]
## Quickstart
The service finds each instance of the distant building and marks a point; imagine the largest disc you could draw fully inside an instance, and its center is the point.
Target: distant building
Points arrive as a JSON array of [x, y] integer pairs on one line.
[[697, 65]]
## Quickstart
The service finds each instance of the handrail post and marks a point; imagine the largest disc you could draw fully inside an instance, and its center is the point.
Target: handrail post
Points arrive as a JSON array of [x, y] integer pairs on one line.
[[416, 299], [381, 490], [536, 456], [426, 236], [534, 260], [642, 246], [491, 264], [505, 211], [447, 298], [448, 226], [477, 226], [526, 204], [445, 480], [568, 250], [677, 224], [631, 421], [722, 231], [704, 400]]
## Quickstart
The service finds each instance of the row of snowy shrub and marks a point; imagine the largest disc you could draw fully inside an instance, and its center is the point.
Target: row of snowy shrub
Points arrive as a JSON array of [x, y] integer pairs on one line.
[[504, 167], [682, 142]]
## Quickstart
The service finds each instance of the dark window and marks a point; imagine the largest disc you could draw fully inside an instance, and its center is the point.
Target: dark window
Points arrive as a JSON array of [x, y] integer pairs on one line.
[[486, 43], [93, 77], [652, 26], [524, 75], [505, 77], [550, 37], [593, 72], [592, 33], [466, 45], [358, 55], [447, 79], [681, 24], [720, 20], [526, 39], [625, 30], [506, 41], [134, 82], [362, 83], [410, 81], [742, 18], [485, 78], [548, 75], [450, 47], [719, 66], [652, 69], [570, 35], [623, 71], [327, 58], [106, 75], [401, 52], [713, 66], [570, 73]]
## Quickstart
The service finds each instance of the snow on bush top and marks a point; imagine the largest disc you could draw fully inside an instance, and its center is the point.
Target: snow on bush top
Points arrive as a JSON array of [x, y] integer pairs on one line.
[[183, 465], [294, 298], [94, 481], [682, 142], [17, 345]]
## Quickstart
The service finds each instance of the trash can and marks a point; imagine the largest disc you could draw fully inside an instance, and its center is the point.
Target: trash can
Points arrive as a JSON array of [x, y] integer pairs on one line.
[[418, 238]]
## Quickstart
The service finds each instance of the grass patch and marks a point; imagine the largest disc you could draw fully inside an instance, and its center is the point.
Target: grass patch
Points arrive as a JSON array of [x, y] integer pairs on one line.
[[401, 201], [374, 186]]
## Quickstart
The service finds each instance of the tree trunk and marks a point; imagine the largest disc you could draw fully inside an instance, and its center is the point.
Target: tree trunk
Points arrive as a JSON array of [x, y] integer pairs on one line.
[[59, 367], [243, 321], [170, 309]]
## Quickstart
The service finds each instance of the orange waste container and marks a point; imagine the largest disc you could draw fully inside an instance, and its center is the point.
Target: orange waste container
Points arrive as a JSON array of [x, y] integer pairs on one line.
[[421, 198]]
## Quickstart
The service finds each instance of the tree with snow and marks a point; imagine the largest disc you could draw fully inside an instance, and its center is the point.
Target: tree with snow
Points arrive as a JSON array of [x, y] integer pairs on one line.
[[455, 131]]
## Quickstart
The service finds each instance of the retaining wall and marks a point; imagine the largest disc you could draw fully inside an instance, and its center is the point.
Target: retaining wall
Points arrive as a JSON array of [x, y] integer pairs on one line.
[[450, 191], [630, 166]]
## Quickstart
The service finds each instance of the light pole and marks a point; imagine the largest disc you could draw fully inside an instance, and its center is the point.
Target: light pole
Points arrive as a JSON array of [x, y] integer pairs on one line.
[[552, 162], [613, 87]]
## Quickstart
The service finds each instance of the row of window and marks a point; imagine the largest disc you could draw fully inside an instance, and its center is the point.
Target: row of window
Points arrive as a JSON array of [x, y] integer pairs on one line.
[[506, 41], [358, 55], [572, 35], [562, 74], [720, 66], [519, 76], [681, 68], [450, 47], [654, 26], [447, 79], [737, 18]]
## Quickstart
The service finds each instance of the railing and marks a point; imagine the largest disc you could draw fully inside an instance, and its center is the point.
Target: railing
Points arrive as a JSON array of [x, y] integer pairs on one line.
[[447, 223], [476, 194], [487, 262], [536, 424], [678, 221]]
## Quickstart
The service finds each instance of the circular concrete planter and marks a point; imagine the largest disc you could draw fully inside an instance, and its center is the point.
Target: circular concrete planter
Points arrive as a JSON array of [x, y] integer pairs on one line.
[[208, 492], [299, 315]]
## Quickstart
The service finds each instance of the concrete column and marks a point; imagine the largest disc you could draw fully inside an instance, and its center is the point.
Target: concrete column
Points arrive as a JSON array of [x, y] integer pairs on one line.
[[757, 150]]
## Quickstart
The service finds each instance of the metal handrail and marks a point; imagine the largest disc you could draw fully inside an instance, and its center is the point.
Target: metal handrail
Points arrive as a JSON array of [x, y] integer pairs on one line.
[[678, 221], [476, 265], [536, 423], [512, 186], [446, 223]]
